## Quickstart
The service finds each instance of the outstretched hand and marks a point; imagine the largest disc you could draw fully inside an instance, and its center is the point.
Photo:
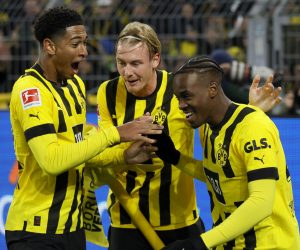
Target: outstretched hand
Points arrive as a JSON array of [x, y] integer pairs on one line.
[[265, 97], [137, 130], [139, 152]]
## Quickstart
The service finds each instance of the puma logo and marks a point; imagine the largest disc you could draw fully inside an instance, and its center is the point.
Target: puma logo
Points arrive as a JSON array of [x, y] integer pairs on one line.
[[259, 159], [36, 116]]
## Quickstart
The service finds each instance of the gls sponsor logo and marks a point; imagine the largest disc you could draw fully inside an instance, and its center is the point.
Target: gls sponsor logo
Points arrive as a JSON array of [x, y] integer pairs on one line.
[[254, 145]]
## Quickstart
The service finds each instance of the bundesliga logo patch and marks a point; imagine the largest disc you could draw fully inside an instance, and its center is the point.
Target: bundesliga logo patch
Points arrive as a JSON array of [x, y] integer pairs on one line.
[[31, 98]]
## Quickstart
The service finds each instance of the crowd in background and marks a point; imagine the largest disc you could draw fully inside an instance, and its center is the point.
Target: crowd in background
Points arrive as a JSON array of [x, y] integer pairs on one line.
[[186, 29]]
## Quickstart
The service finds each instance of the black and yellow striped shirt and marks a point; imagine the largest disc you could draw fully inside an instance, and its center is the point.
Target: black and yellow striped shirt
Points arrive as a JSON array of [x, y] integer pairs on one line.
[[243, 148], [166, 196], [48, 123]]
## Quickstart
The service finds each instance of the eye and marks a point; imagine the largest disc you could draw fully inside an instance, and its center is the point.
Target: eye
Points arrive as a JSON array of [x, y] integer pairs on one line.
[[135, 63], [121, 63]]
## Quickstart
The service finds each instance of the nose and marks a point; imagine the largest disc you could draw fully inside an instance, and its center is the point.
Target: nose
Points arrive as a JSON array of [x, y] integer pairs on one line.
[[83, 50], [182, 103], [127, 70]]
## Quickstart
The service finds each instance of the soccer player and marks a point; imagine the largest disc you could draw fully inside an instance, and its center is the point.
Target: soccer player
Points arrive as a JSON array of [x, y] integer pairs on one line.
[[48, 117], [243, 165], [166, 195]]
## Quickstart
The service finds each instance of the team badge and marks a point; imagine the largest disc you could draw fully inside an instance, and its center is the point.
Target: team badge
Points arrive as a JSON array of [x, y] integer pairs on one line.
[[221, 156], [159, 117], [31, 98]]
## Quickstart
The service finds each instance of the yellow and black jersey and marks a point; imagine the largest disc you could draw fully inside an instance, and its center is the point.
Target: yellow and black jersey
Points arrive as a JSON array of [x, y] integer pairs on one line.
[[245, 147], [48, 123], [166, 196]]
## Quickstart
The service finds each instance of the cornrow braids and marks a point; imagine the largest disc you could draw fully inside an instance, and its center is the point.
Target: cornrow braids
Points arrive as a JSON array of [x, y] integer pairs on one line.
[[200, 64]]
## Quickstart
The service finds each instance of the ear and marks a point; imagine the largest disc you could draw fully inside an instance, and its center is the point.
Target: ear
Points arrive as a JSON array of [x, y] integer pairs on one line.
[[213, 89], [155, 60], [49, 46]]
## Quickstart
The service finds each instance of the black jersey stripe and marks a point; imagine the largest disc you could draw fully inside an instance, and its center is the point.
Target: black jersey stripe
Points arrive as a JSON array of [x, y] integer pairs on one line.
[[195, 214], [212, 204], [250, 239], [164, 195], [56, 88], [130, 108], [73, 206], [166, 172], [130, 184], [62, 124], [151, 100], [150, 103], [227, 139], [218, 221], [75, 81], [263, 173], [144, 195], [64, 99], [112, 198], [72, 93], [39, 130], [212, 138], [205, 140], [34, 74], [229, 245], [80, 203], [58, 199], [111, 93]]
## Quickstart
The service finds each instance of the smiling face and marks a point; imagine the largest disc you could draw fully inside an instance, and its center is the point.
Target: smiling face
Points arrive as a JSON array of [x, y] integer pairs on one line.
[[195, 93], [68, 51], [137, 67]]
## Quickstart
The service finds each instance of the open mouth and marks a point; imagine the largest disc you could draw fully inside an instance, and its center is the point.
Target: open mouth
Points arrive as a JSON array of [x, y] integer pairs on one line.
[[132, 82], [188, 115], [75, 66]]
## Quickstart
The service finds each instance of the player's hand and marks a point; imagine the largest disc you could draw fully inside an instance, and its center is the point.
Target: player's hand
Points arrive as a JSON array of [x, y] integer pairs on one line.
[[138, 129], [166, 150], [195, 243], [265, 97], [139, 152]]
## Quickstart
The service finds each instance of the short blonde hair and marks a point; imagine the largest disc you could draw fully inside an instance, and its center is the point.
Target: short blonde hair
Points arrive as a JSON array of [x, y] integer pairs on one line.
[[136, 32]]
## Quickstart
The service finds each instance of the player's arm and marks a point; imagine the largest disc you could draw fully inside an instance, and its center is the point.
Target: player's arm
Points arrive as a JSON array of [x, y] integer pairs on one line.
[[36, 120], [167, 152], [55, 158], [257, 207], [265, 97], [111, 156]]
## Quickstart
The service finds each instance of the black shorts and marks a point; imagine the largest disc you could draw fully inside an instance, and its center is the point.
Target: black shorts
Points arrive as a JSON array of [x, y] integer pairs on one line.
[[22, 240], [133, 239]]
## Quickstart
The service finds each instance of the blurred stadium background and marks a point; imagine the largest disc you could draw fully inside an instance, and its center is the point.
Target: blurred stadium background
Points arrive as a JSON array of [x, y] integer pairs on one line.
[[256, 32]]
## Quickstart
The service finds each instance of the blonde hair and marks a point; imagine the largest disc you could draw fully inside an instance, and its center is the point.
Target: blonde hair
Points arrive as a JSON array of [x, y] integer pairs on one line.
[[136, 32]]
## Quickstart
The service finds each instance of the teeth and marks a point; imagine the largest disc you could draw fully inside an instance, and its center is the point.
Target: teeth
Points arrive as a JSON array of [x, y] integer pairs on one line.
[[187, 115]]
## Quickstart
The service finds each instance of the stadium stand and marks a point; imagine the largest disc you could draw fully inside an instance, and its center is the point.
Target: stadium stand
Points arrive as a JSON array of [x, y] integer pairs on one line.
[[257, 32]]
